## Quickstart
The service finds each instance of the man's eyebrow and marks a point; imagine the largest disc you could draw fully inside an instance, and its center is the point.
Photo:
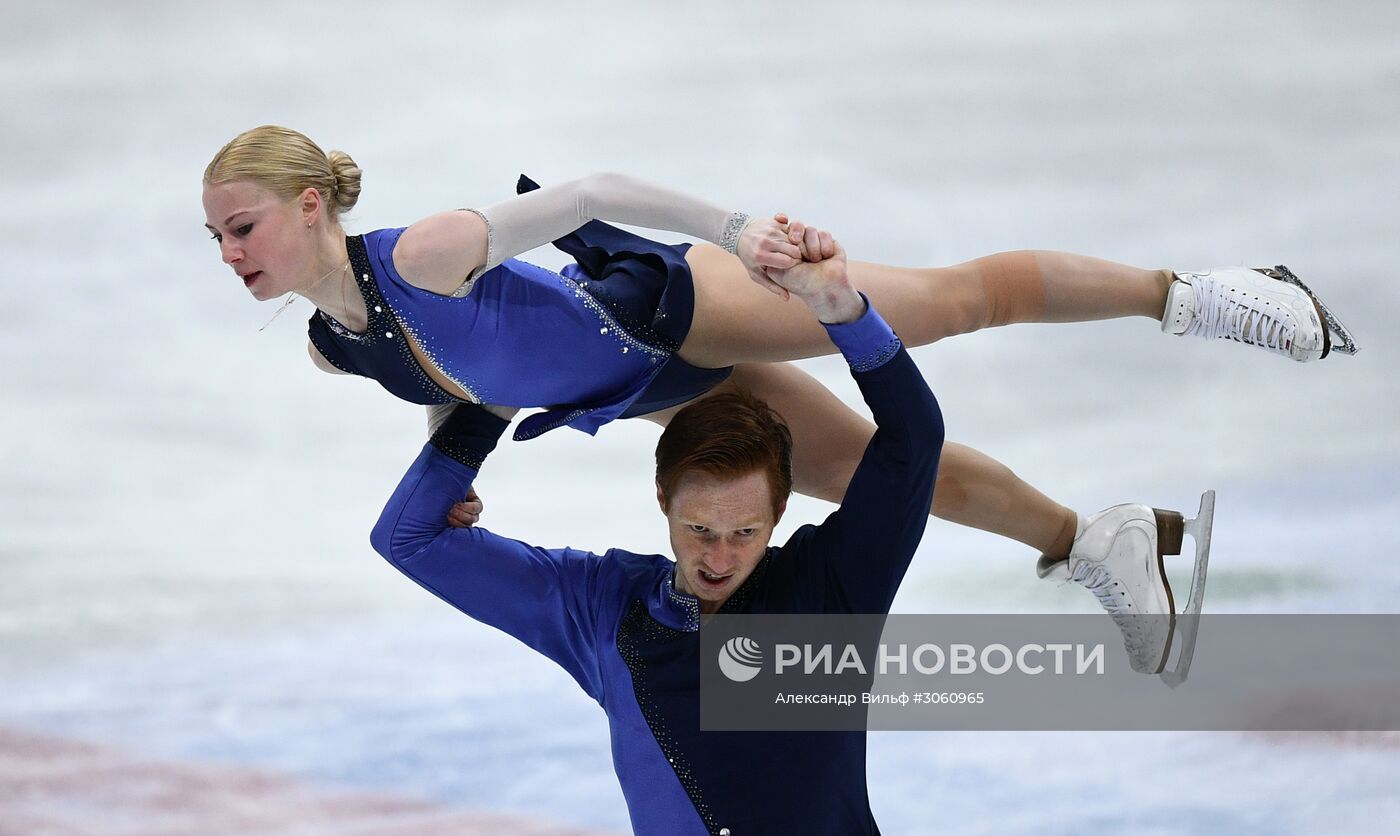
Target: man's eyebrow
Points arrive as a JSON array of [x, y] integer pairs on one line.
[[740, 527]]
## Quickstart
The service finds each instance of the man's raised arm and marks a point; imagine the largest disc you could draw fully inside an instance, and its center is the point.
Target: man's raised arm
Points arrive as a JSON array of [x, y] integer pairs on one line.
[[865, 546], [543, 597]]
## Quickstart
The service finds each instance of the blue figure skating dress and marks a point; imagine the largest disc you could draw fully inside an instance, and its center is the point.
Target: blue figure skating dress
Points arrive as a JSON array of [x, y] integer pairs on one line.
[[593, 342]]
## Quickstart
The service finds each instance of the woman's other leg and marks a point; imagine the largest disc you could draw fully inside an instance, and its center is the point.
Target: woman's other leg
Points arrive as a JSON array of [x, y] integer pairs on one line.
[[829, 439]]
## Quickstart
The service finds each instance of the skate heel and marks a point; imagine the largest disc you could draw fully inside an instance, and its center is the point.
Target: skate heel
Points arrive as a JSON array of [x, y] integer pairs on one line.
[[1171, 527]]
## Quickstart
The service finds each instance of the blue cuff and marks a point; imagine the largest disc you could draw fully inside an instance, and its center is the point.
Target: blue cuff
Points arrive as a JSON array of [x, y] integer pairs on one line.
[[868, 343]]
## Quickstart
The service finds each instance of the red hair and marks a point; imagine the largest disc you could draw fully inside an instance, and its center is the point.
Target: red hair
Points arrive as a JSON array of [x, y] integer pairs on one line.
[[729, 436]]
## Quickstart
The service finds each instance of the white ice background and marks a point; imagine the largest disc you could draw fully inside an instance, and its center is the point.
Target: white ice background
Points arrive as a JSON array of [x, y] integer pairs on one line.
[[185, 502]]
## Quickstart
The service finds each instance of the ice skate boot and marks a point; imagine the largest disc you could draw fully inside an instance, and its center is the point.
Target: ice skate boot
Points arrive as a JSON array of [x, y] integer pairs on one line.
[[1271, 309], [1117, 555]]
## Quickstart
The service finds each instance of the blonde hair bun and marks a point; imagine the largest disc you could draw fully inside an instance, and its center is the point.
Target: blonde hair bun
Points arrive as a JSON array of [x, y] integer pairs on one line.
[[347, 180], [287, 163]]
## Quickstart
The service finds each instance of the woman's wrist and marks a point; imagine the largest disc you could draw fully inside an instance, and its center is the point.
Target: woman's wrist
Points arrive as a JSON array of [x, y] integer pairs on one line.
[[733, 228]]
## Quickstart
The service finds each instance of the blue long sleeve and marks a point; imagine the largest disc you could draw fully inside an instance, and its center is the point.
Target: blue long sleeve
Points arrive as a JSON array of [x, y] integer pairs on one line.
[[866, 544], [543, 597]]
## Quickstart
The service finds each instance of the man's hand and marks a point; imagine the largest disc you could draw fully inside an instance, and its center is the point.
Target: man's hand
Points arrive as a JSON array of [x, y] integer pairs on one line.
[[814, 244], [466, 513], [820, 279]]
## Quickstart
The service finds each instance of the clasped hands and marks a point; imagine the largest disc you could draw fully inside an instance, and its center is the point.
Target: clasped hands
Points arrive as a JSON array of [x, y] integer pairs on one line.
[[789, 258], [786, 257]]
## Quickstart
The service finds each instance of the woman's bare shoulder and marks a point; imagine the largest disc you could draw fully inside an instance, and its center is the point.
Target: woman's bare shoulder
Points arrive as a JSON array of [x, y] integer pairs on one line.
[[439, 252]]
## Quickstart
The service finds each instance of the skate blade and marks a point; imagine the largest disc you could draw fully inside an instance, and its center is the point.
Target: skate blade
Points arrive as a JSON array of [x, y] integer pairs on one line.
[[1188, 621], [1343, 341]]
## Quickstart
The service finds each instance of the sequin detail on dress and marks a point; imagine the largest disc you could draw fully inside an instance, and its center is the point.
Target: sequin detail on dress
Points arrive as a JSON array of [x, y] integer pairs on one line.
[[612, 326], [380, 352], [383, 320]]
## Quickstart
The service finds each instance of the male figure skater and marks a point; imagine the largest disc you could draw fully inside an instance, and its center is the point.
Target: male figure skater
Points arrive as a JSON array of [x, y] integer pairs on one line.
[[626, 625]]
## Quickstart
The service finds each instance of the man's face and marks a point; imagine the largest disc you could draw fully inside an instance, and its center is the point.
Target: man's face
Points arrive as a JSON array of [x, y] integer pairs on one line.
[[720, 528]]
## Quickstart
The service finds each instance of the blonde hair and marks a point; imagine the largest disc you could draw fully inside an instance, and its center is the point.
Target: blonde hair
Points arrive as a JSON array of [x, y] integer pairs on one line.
[[287, 163]]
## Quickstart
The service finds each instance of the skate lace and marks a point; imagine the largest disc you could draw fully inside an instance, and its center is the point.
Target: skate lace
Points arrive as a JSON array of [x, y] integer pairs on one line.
[[1222, 314], [1098, 580]]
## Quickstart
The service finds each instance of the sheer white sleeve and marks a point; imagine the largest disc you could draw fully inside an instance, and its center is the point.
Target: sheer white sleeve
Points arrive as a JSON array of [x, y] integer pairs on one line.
[[529, 220]]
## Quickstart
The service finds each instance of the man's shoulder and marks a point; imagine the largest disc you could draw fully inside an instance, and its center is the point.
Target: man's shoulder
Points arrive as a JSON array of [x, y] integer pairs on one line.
[[786, 561], [799, 540], [625, 564]]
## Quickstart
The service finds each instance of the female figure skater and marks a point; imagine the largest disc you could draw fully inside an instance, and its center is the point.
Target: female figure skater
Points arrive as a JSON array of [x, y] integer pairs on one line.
[[441, 312]]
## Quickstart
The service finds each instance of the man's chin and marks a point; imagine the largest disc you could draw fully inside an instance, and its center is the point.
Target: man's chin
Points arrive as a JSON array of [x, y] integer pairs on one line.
[[717, 593]]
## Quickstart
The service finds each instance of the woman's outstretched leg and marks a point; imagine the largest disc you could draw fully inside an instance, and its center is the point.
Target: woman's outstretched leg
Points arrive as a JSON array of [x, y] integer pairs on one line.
[[736, 321]]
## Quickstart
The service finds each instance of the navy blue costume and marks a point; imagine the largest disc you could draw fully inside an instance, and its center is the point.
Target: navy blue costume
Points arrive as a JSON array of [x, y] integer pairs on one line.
[[594, 342], [630, 639]]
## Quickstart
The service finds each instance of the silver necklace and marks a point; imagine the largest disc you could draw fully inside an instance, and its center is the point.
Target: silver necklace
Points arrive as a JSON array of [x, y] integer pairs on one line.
[[292, 296]]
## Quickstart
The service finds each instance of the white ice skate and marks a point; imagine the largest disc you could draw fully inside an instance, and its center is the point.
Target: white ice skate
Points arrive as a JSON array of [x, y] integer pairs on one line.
[[1117, 555], [1271, 309]]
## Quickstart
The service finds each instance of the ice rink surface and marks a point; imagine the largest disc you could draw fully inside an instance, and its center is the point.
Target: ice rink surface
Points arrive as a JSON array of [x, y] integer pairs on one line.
[[185, 574]]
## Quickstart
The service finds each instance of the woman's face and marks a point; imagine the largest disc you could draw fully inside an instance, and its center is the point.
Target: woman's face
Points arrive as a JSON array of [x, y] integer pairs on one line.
[[266, 240]]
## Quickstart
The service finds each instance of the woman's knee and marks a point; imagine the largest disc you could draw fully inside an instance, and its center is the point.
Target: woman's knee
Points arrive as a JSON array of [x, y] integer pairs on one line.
[[1013, 288]]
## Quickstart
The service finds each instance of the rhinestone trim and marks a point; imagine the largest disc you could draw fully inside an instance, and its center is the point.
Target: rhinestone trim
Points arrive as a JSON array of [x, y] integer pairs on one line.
[[457, 451], [1348, 344], [552, 425], [470, 282], [636, 629], [316, 341], [425, 345], [610, 326], [381, 320], [689, 603], [339, 329], [733, 227], [877, 358]]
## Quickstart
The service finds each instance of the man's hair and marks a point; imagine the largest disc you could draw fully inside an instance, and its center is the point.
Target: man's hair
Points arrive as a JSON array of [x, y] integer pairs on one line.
[[729, 436]]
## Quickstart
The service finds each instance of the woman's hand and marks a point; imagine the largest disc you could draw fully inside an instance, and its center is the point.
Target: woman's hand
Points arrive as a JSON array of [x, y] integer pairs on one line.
[[767, 243], [466, 513]]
